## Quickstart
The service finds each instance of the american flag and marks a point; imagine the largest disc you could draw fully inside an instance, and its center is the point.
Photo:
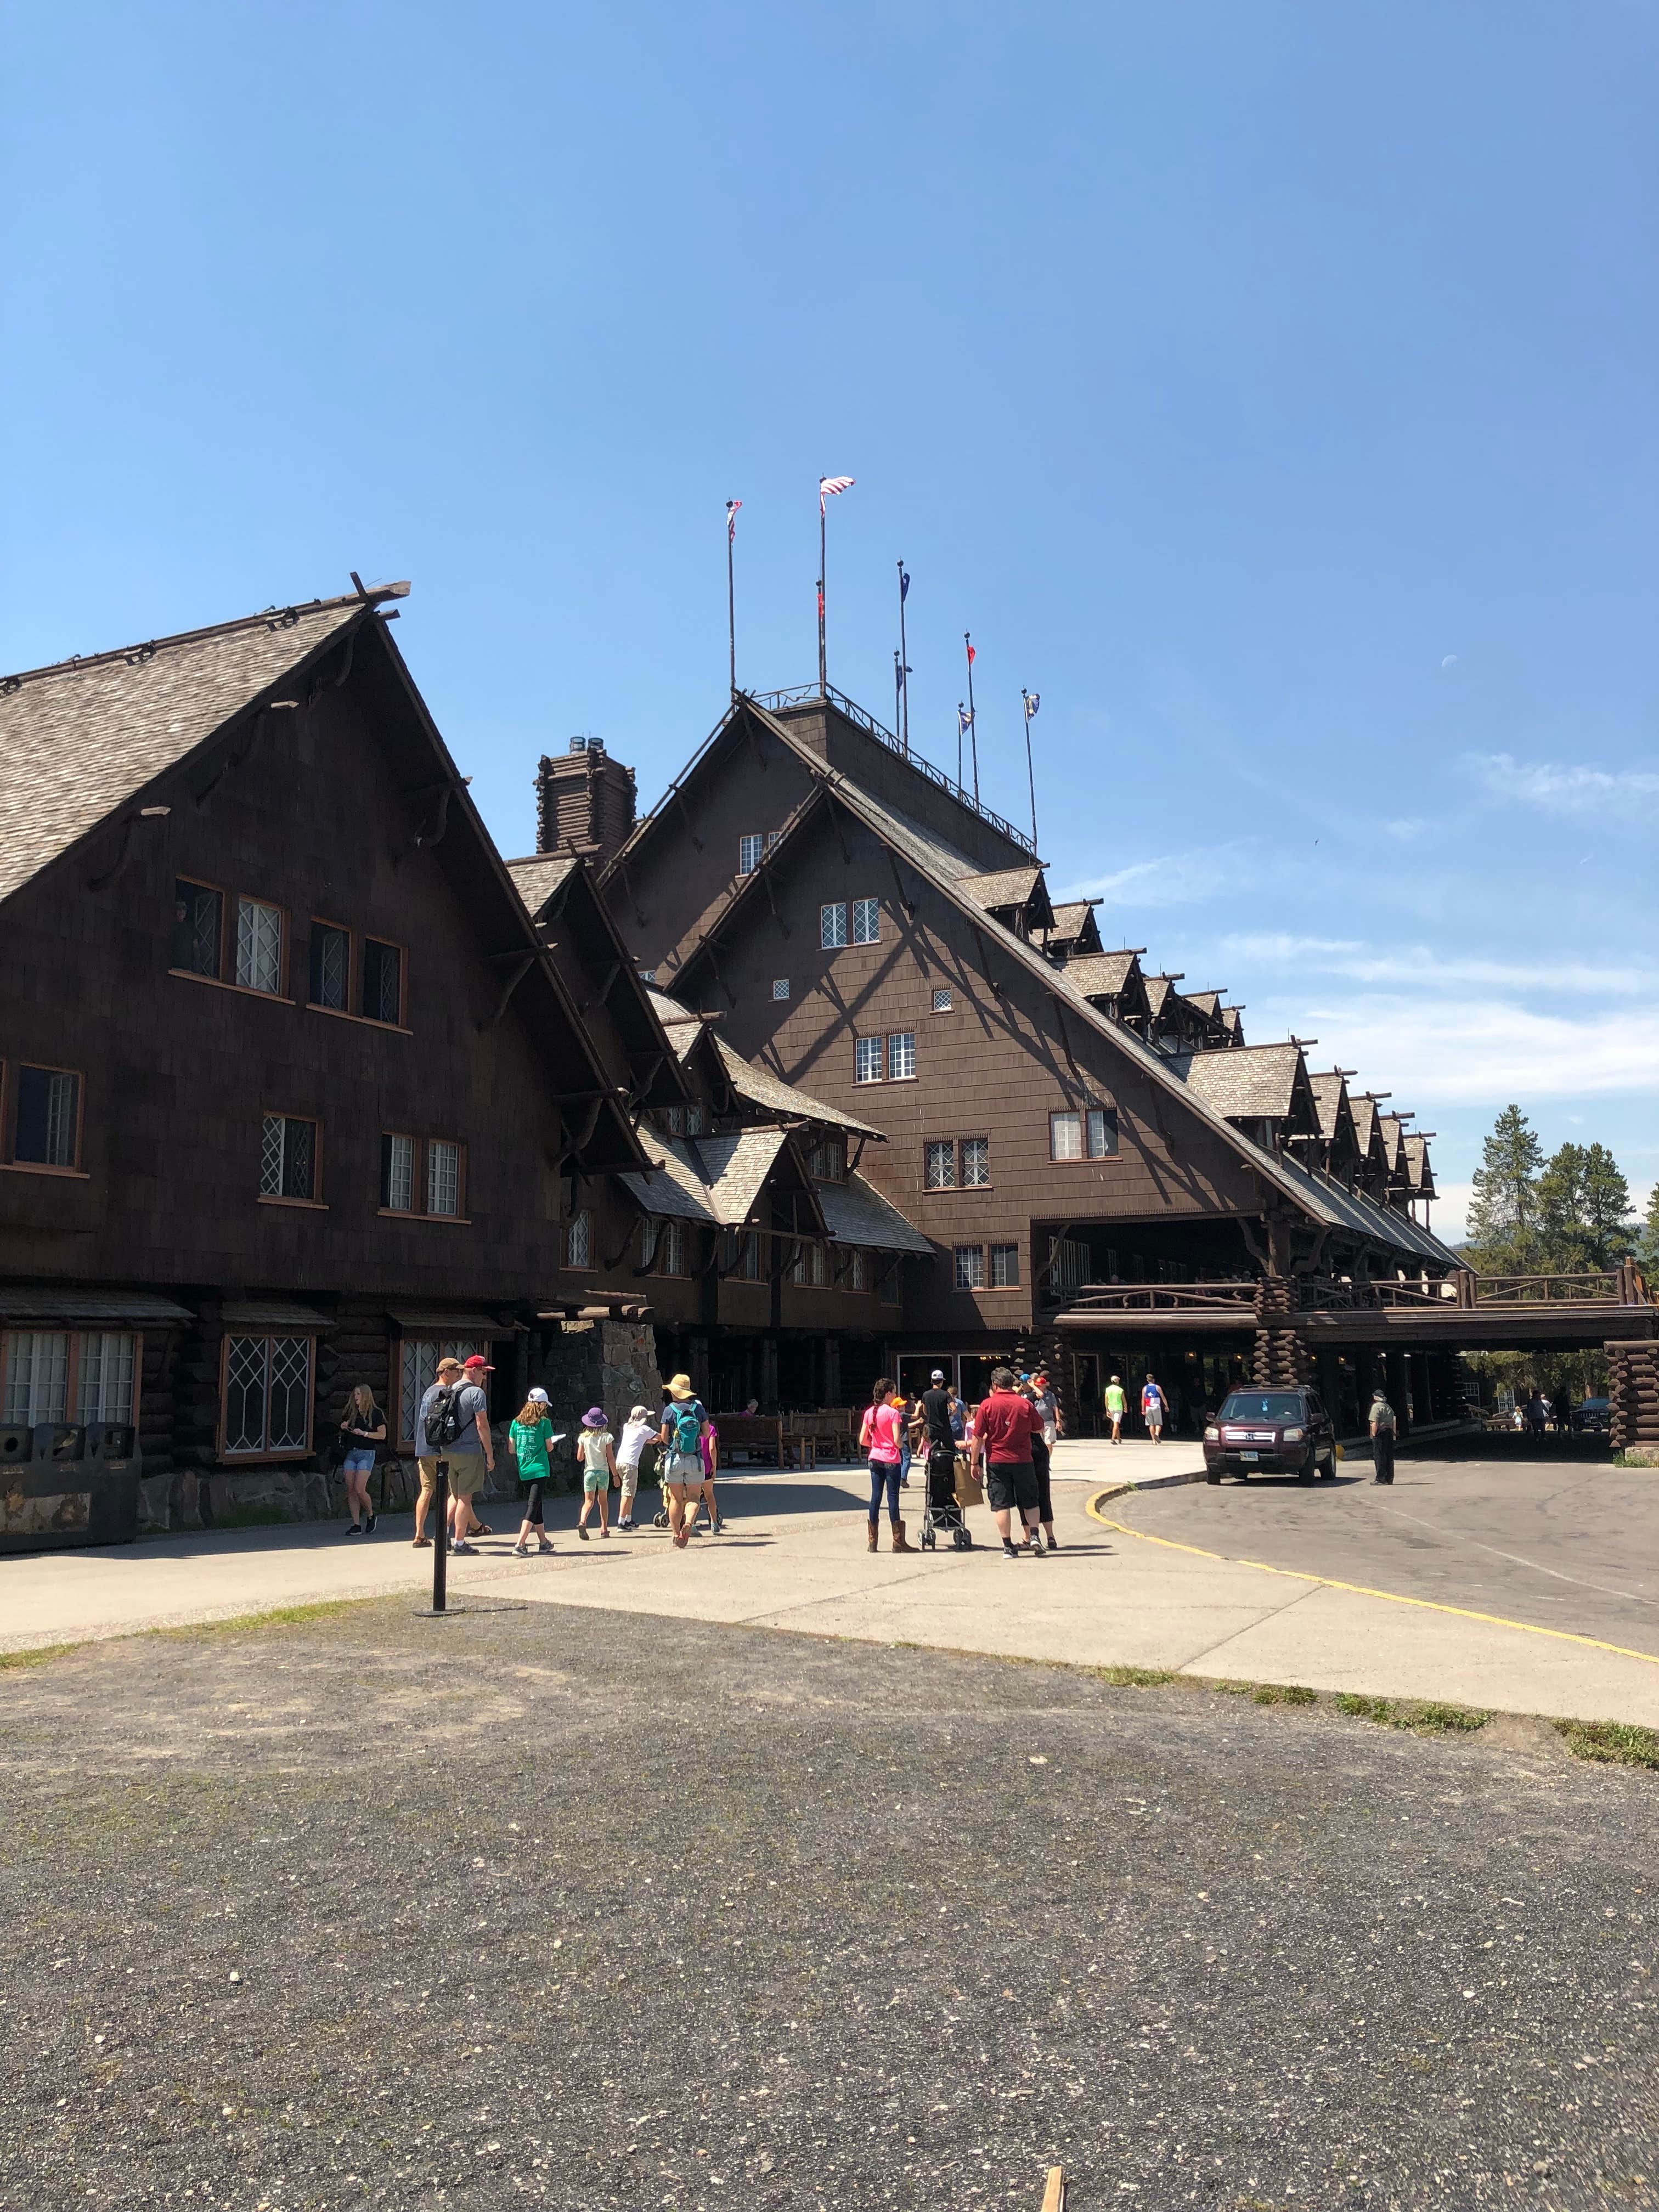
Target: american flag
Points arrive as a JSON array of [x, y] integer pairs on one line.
[[731, 507], [964, 720], [828, 486]]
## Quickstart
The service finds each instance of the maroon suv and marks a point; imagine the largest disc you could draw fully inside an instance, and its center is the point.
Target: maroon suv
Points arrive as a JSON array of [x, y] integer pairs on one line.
[[1270, 1432]]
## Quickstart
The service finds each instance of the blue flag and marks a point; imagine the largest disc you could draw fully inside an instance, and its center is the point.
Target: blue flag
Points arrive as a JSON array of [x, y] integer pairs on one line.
[[964, 720], [1033, 701], [904, 585]]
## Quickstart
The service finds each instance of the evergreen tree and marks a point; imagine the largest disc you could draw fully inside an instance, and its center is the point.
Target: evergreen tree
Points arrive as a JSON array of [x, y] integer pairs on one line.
[[1647, 1247], [1584, 1208], [1503, 1226]]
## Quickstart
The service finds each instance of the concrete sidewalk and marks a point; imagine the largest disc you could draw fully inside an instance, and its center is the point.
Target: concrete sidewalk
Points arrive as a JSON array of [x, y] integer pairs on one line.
[[795, 1559]]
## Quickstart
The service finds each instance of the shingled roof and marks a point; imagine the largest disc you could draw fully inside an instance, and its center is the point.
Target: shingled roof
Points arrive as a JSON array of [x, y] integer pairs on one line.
[[538, 875], [762, 1088], [1101, 975], [1256, 1082], [1420, 1176], [1329, 1091], [716, 1181], [856, 1213], [1002, 887], [83, 737], [1071, 917]]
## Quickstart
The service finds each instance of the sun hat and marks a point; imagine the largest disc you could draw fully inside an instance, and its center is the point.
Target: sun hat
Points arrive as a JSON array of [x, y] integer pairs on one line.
[[679, 1386], [593, 1418], [539, 1396]]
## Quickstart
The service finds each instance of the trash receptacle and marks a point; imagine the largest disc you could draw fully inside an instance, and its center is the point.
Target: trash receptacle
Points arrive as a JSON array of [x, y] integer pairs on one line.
[[63, 1484]]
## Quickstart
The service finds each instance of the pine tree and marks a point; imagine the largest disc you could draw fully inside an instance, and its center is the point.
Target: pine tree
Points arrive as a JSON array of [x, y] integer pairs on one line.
[[1610, 1231], [1503, 1228], [1648, 1242], [1584, 1208]]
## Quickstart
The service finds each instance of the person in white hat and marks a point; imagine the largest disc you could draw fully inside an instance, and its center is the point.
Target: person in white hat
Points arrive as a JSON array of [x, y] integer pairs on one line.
[[530, 1437], [637, 1432]]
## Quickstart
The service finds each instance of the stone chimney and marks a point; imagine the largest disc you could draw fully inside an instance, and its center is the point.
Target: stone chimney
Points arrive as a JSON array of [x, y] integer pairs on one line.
[[584, 802]]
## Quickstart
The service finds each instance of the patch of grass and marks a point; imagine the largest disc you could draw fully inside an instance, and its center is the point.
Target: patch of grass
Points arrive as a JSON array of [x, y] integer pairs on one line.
[[1436, 1719], [36, 1657], [279, 1616], [1365, 1708], [1231, 1689], [1286, 1693], [1134, 1678], [1613, 1743]]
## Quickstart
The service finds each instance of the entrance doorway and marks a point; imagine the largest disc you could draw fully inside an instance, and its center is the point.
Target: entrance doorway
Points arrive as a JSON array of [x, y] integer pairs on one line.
[[1086, 1381], [969, 1372]]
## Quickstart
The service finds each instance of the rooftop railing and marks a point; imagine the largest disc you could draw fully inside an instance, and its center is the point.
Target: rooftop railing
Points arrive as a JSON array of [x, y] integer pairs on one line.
[[1623, 1285], [807, 694]]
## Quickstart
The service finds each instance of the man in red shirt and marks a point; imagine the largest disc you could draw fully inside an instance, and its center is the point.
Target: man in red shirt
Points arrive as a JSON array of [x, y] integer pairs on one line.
[[1002, 1440]]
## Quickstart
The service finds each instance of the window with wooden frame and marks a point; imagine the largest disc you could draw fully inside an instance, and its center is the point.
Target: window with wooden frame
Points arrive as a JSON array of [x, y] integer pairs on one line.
[[40, 1115], [943, 1002], [672, 1253], [227, 937], [424, 1178], [867, 921], [579, 1240], [832, 925], [809, 1268], [290, 1159], [61, 1375], [418, 1370], [868, 1054], [1005, 1266], [1088, 1134], [750, 849], [780, 989], [264, 1396], [741, 1254], [827, 1160], [355, 975], [901, 1056], [957, 1163], [694, 1121], [969, 1266], [857, 1277]]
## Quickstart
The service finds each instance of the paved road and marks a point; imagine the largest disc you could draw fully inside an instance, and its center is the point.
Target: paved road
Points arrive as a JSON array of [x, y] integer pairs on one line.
[[1558, 1541], [584, 1909]]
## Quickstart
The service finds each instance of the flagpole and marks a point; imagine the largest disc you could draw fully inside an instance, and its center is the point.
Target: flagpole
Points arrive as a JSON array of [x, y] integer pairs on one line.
[[899, 690], [1030, 776], [823, 662], [973, 726], [961, 726], [731, 595], [902, 705]]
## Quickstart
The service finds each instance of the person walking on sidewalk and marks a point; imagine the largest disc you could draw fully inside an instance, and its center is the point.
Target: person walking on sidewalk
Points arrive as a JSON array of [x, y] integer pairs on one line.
[[1381, 1428], [463, 1454], [530, 1436], [361, 1429], [679, 1461], [595, 1448], [1007, 1422], [1040, 1462], [1116, 1405], [1047, 1405], [1152, 1409], [708, 1451], [637, 1432], [882, 1437]]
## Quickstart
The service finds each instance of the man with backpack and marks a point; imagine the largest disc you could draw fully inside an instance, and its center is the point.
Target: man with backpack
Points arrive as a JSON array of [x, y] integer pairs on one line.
[[452, 1425], [1152, 1409], [1382, 1429], [684, 1425]]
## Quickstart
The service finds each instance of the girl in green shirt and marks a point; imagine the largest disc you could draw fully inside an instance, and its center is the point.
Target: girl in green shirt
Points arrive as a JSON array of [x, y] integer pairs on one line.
[[530, 1436]]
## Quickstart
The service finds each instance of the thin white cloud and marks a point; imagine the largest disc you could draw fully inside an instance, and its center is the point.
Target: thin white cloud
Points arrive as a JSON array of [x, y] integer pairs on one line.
[[1408, 830], [1418, 967], [1472, 1051], [1169, 879], [1615, 795]]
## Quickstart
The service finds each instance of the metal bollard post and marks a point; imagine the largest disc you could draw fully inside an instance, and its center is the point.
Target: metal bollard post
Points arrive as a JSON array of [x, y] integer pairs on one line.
[[440, 1539]]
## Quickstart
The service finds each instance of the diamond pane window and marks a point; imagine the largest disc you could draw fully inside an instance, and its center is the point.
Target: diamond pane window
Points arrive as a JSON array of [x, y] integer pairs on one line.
[[37, 1377], [832, 926], [942, 1002], [975, 1162], [940, 1172], [48, 1130], [779, 986], [579, 1240], [383, 982], [970, 1267], [858, 1269], [418, 1370], [259, 944], [245, 1394], [749, 853], [331, 966], [104, 1385], [1005, 1266], [443, 1177], [867, 921], [866, 1059], [198, 917], [287, 1158], [901, 1055]]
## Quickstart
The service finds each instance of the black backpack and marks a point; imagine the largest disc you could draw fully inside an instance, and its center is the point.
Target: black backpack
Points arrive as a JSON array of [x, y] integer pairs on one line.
[[443, 1418]]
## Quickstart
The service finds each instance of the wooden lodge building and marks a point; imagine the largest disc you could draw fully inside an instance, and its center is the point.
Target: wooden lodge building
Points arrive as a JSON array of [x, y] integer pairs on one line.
[[799, 1077]]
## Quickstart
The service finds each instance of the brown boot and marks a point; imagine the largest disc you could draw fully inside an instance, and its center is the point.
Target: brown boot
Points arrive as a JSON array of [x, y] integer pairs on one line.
[[899, 1544], [875, 1527]]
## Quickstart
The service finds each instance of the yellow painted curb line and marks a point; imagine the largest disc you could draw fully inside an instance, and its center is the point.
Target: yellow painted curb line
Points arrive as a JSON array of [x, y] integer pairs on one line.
[[1357, 1590]]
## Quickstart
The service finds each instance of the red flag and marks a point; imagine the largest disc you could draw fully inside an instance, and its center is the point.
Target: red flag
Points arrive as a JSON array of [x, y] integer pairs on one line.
[[973, 655]]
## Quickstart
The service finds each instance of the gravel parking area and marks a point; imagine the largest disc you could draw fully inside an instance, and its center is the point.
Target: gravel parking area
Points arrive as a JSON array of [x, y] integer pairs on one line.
[[599, 1909]]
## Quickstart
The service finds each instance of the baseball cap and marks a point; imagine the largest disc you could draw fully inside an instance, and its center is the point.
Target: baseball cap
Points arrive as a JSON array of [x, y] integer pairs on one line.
[[477, 1365], [540, 1395], [938, 1375]]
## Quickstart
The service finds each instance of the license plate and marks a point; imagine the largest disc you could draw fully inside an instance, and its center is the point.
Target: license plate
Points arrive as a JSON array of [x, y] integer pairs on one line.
[[1253, 1457]]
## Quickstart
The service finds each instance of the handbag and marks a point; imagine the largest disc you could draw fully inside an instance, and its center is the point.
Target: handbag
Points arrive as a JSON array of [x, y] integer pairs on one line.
[[337, 1453]]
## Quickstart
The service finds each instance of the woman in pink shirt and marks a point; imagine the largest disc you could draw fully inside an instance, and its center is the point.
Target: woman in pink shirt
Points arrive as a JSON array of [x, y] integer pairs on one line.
[[882, 1437]]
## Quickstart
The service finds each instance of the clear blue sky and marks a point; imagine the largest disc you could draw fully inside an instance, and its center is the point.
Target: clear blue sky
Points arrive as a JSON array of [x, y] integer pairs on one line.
[[1271, 387]]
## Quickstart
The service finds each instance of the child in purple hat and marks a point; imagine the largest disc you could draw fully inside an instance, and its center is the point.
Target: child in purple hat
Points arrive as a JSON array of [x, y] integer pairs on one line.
[[595, 1448]]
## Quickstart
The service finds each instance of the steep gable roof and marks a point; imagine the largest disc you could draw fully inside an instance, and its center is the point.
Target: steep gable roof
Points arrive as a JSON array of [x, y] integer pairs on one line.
[[538, 875], [1101, 975], [1254, 1083], [83, 737], [1420, 1176], [857, 1213], [762, 1088], [1330, 1092], [1074, 923], [716, 1181]]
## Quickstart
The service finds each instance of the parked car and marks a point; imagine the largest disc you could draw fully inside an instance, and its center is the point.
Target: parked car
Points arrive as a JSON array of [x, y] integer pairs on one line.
[[1270, 1432], [1594, 1414]]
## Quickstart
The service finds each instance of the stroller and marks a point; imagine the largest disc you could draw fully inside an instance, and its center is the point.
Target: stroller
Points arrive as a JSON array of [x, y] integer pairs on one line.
[[942, 1509]]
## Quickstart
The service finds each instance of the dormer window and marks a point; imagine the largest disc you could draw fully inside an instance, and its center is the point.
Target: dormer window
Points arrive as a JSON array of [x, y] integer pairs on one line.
[[827, 1160]]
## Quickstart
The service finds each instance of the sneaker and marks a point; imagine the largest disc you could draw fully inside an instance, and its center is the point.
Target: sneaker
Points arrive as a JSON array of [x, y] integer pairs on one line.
[[718, 1528], [1034, 1546], [369, 1525], [1053, 1546], [521, 1551], [1010, 1551], [545, 1546], [351, 1529], [625, 1526], [581, 1530], [461, 1549]]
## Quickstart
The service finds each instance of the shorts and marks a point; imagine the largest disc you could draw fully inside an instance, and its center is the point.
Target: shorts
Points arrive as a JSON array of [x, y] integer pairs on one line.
[[1011, 1483], [466, 1474], [631, 1480], [684, 1468], [596, 1478], [359, 1462]]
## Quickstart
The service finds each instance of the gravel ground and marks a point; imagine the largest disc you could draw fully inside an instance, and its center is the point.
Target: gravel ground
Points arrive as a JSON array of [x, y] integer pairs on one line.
[[574, 1907]]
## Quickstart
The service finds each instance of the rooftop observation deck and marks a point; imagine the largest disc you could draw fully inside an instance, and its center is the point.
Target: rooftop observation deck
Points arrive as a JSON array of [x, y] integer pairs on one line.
[[1464, 1311]]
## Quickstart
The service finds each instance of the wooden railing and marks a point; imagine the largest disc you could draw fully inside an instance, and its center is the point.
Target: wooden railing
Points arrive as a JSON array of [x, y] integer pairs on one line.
[[1159, 1297], [1623, 1285]]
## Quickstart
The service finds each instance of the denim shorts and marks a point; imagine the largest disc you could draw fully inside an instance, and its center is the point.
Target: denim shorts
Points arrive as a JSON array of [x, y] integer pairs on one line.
[[359, 1462]]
